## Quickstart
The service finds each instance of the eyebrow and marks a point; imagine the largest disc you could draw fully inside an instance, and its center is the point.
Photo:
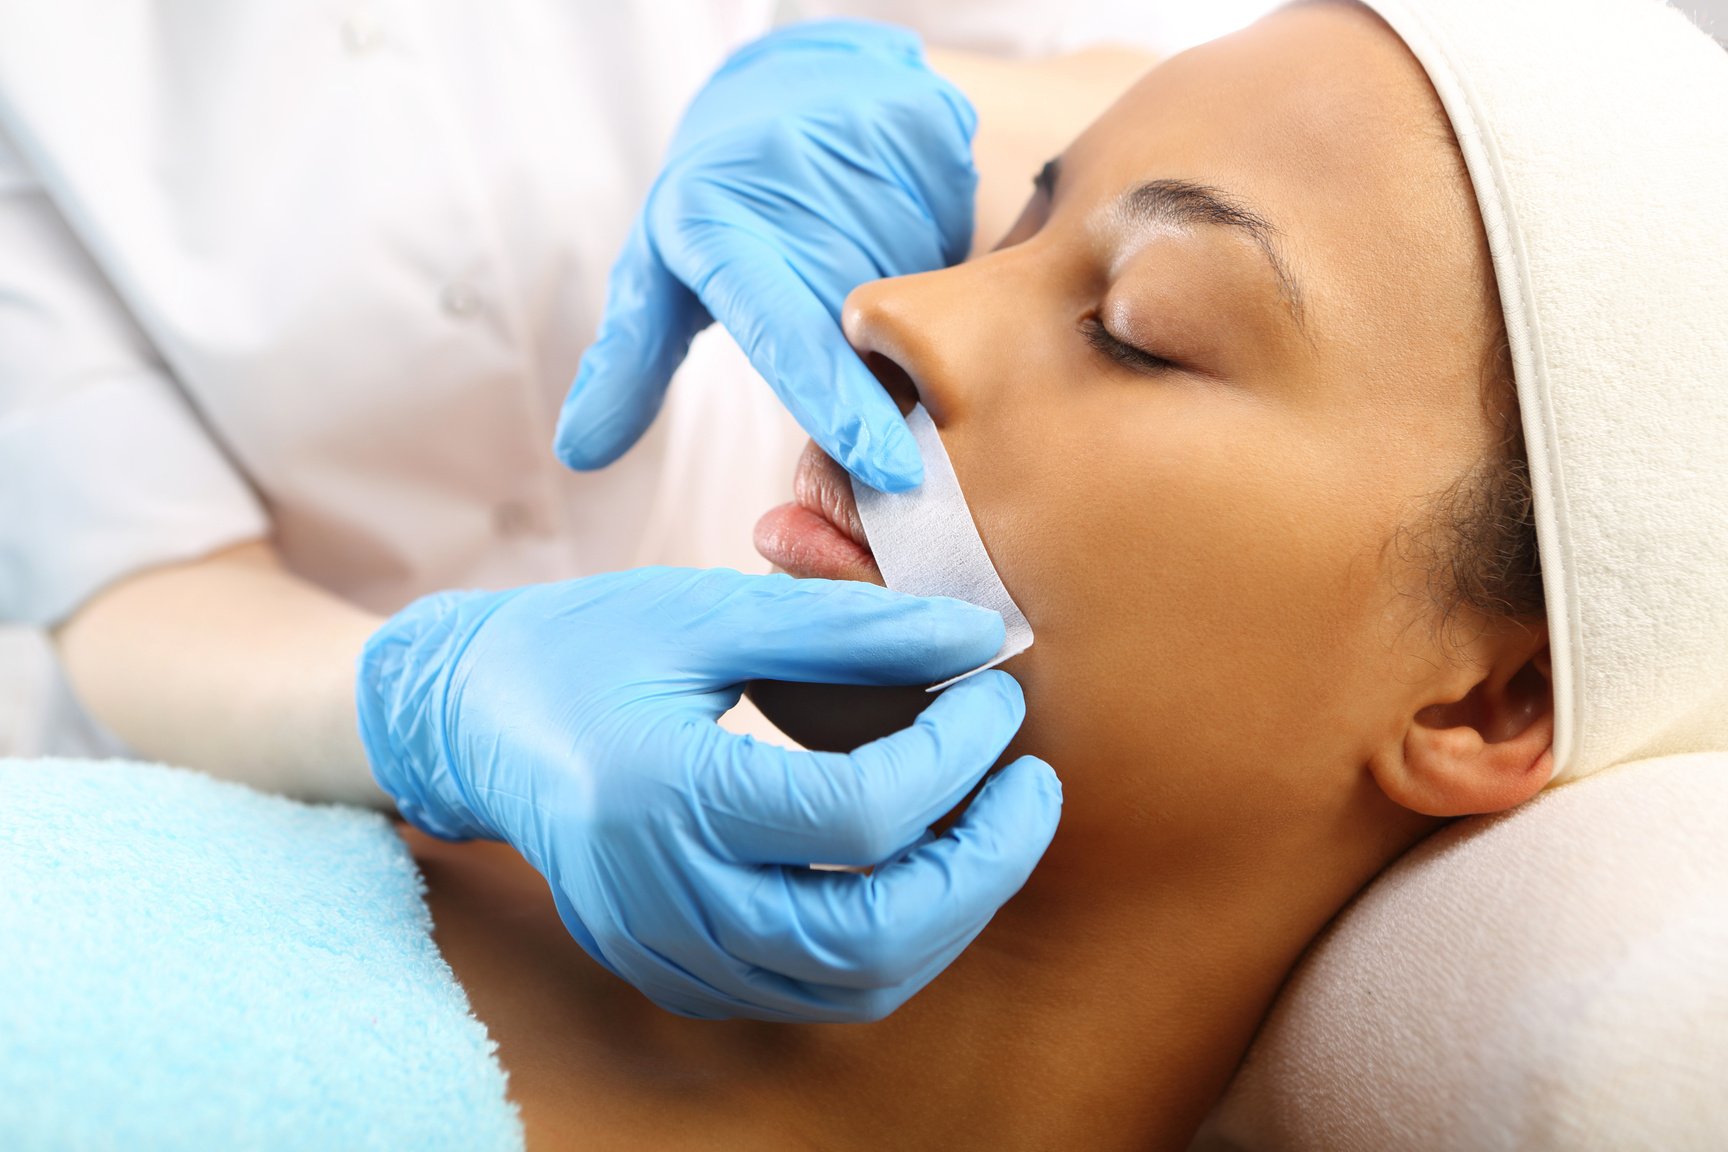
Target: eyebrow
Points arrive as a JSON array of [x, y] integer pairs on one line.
[[1185, 204]]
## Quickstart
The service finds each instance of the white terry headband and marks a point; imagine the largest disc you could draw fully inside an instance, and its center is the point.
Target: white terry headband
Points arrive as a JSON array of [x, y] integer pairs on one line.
[[926, 544], [1596, 141]]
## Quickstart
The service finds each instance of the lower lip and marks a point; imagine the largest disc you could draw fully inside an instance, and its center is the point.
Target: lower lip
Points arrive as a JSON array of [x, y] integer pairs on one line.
[[806, 545]]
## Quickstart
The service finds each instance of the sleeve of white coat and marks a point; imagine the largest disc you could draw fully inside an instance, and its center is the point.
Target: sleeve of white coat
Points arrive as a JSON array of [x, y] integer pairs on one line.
[[104, 468]]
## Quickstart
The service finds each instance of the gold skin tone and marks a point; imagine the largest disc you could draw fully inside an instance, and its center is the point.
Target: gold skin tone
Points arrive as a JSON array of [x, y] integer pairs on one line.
[[1237, 675]]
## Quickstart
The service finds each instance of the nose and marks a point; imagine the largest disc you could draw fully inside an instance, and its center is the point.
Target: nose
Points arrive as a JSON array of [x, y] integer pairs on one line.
[[926, 337]]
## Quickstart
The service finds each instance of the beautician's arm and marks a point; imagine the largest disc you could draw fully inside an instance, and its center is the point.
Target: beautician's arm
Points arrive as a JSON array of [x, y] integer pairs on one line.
[[230, 664], [1028, 111]]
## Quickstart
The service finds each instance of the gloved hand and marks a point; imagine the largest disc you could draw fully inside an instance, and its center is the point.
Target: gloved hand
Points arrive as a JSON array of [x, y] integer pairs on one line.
[[818, 158], [576, 721]]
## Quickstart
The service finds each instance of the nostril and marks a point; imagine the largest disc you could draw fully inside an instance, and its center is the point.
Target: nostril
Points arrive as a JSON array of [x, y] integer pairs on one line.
[[894, 378]]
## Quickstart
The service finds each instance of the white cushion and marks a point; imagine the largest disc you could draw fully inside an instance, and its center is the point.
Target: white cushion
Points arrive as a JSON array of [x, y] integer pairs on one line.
[[1554, 977]]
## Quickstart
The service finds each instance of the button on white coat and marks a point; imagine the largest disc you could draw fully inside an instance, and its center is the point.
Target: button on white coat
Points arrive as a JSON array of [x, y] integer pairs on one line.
[[460, 299], [361, 33]]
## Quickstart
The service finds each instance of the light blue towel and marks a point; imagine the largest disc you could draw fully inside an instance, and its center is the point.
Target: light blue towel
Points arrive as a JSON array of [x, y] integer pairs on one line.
[[187, 963]]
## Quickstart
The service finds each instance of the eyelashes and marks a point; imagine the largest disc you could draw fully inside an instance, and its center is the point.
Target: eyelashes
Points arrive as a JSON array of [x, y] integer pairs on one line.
[[1127, 355], [1094, 330]]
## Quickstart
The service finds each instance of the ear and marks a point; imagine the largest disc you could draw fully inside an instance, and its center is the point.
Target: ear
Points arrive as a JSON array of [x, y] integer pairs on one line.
[[1487, 748]]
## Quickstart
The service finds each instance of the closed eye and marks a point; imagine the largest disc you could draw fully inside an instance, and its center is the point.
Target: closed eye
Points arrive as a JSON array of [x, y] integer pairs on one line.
[[1127, 355]]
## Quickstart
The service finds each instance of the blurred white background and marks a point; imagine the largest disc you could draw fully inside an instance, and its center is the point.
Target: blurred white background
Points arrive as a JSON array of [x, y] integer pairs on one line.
[[1034, 27]]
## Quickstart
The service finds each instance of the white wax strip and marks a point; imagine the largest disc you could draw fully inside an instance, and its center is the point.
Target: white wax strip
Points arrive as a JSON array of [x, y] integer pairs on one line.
[[926, 544]]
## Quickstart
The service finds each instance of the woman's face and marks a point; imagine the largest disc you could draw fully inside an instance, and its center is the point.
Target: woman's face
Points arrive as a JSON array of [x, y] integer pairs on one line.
[[1234, 342]]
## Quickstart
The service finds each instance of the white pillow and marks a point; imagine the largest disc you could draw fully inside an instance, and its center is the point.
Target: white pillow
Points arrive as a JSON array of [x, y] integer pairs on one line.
[[1554, 977]]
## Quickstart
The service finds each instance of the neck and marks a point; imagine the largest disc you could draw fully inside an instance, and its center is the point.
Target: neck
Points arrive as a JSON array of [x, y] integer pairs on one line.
[[1098, 1010], [1085, 1022]]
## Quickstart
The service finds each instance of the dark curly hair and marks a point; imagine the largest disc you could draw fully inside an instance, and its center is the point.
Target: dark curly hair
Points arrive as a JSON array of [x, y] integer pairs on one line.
[[1476, 540]]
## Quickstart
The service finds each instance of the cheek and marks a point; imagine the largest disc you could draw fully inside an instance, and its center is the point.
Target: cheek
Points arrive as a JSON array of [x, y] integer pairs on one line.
[[1207, 596]]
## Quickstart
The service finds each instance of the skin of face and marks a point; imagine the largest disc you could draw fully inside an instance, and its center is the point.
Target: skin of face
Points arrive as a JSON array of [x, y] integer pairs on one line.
[[1229, 638]]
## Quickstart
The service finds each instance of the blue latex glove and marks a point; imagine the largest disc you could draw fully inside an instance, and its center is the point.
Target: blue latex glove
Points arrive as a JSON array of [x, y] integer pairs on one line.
[[818, 158], [576, 721]]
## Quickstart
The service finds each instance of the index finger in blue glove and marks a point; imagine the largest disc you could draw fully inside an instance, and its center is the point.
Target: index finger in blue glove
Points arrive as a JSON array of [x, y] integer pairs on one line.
[[863, 944], [768, 805], [807, 361], [645, 332], [839, 632]]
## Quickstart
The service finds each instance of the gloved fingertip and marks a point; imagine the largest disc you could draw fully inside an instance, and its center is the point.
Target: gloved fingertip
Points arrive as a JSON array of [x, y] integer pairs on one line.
[[1025, 799], [578, 449], [990, 701], [568, 442], [895, 464], [963, 622], [876, 446], [595, 425], [1049, 784], [885, 479]]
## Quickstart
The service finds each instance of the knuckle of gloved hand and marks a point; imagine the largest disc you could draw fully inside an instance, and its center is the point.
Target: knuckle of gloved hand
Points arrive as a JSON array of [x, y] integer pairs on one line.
[[875, 1003], [881, 44], [869, 828], [678, 212], [673, 590], [580, 594], [698, 194], [620, 952], [725, 594], [781, 145], [871, 1007], [704, 583]]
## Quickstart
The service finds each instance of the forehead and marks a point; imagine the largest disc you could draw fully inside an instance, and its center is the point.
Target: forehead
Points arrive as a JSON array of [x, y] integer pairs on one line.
[[1320, 120]]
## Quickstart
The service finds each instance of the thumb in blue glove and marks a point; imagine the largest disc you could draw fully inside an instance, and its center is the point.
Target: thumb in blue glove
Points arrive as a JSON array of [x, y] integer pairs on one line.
[[576, 721], [818, 158]]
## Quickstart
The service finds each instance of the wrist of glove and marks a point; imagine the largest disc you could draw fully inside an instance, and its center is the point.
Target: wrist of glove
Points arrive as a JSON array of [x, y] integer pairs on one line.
[[401, 689]]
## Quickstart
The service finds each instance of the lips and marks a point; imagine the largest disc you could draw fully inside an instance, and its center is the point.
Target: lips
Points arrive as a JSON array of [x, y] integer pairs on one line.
[[819, 534]]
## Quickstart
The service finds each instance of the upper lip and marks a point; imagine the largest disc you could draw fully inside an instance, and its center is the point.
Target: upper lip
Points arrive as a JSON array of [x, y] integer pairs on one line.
[[823, 487]]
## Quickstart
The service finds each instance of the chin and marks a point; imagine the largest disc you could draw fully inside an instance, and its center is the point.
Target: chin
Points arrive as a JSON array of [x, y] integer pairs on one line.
[[837, 717]]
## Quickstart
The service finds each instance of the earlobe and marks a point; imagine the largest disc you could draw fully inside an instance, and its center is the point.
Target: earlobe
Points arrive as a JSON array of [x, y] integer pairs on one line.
[[1488, 750]]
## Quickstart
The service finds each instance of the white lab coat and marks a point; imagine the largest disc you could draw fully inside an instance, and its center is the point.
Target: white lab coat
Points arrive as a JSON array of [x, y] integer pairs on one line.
[[324, 271], [280, 267]]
